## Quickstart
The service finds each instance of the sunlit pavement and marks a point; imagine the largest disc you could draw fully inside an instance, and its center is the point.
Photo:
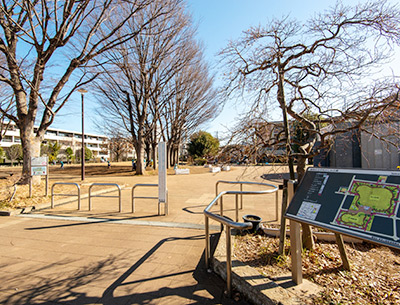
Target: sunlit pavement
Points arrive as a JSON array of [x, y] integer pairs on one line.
[[65, 256]]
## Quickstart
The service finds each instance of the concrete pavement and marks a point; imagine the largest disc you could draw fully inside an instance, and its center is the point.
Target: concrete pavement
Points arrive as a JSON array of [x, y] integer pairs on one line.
[[188, 196], [65, 256]]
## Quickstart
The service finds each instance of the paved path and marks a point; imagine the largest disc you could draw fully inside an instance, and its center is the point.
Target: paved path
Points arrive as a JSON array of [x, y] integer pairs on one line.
[[65, 256], [64, 262], [188, 196]]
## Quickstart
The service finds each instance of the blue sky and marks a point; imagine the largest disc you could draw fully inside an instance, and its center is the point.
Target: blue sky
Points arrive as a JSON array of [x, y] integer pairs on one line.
[[222, 20], [218, 22]]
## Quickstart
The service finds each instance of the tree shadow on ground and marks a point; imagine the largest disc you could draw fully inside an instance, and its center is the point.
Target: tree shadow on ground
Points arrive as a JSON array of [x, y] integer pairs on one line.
[[77, 288], [277, 177]]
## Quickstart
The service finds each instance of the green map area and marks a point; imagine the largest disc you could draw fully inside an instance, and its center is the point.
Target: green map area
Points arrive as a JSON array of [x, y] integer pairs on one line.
[[378, 197], [370, 199]]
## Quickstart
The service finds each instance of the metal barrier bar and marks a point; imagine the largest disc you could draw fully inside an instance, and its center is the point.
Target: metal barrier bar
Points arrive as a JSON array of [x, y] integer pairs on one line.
[[241, 183], [165, 206], [277, 206], [133, 195], [229, 224], [13, 194], [66, 183], [105, 196]]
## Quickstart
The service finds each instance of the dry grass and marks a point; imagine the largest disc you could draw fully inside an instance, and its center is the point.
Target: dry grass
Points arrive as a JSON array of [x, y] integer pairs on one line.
[[9, 176], [374, 279]]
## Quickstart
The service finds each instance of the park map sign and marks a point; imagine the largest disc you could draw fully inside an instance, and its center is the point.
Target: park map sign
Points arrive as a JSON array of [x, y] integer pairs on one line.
[[355, 202]]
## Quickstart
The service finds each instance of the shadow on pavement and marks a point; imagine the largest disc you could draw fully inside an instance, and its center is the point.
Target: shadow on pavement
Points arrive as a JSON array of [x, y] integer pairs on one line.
[[77, 288], [277, 177]]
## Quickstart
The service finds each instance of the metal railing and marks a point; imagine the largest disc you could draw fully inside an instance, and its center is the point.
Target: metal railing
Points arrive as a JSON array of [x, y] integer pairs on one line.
[[142, 197], [146, 197], [229, 224], [66, 183], [105, 196], [241, 183]]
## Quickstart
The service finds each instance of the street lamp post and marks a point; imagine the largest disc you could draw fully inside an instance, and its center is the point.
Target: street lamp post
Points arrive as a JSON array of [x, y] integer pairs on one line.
[[83, 91]]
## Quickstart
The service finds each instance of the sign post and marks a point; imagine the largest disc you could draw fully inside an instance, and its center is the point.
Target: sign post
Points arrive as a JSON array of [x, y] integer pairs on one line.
[[162, 178], [39, 167], [295, 242], [361, 203]]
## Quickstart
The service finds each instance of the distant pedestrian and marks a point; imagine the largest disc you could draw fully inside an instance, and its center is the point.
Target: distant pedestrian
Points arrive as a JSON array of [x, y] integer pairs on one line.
[[62, 164], [133, 165], [108, 164]]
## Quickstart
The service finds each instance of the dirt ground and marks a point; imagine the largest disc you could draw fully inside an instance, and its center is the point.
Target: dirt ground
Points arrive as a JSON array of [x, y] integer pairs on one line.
[[375, 275], [91, 170], [98, 172], [374, 278]]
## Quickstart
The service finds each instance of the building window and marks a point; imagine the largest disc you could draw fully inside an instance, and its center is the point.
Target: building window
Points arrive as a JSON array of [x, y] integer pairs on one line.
[[64, 134], [7, 139], [50, 132]]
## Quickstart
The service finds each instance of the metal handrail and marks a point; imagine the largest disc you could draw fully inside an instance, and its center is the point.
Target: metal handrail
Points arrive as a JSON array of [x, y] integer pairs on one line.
[[133, 195], [109, 184], [66, 183], [241, 195], [229, 225]]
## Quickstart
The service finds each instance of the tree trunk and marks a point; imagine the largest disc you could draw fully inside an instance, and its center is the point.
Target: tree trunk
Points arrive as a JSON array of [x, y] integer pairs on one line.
[[171, 155], [148, 153], [167, 156], [154, 155], [140, 168], [301, 167], [30, 148], [175, 156], [283, 106], [139, 147]]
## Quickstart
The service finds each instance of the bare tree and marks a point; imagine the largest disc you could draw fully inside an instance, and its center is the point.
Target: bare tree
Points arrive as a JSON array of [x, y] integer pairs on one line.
[[320, 67], [62, 35], [139, 80], [119, 146], [193, 103], [14, 152]]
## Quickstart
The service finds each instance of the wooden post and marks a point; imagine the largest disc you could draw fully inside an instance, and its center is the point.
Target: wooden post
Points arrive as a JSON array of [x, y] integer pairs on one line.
[[295, 251], [295, 242], [282, 234], [342, 250], [46, 193], [30, 187]]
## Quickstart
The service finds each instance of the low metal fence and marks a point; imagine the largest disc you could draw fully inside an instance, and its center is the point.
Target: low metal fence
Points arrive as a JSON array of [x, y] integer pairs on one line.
[[241, 183], [68, 195], [105, 196], [229, 224], [147, 197]]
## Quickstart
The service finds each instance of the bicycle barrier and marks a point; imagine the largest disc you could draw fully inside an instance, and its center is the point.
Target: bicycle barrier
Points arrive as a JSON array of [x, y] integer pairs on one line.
[[66, 183], [146, 197], [105, 196]]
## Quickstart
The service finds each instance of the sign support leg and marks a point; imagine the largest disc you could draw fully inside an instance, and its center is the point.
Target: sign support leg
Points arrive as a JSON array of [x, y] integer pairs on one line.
[[295, 241], [295, 251], [282, 235], [342, 250], [30, 187], [47, 183]]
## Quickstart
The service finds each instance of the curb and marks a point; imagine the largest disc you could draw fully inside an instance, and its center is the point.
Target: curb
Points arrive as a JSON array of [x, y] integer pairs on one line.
[[256, 287]]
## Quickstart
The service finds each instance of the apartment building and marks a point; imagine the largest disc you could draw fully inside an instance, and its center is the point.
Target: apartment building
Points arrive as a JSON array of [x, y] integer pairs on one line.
[[98, 144]]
